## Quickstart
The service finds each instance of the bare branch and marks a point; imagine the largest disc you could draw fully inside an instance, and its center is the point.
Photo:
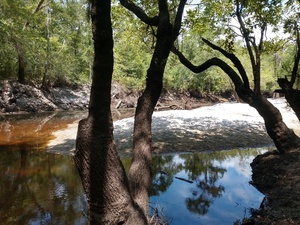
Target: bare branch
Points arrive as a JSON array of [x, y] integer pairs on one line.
[[178, 19], [211, 62], [296, 61], [245, 33], [237, 63], [152, 21]]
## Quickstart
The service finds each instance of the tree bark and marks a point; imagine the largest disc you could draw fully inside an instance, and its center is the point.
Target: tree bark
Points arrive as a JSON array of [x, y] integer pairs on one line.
[[21, 71], [101, 171], [103, 176], [291, 95], [284, 138], [139, 175]]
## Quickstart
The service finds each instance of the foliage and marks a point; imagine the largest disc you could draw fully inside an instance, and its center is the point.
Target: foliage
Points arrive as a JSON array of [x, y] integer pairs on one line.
[[180, 78], [231, 21], [57, 45], [133, 49]]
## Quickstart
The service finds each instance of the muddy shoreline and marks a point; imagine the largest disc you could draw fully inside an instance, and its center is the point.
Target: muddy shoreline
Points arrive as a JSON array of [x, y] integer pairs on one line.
[[16, 98]]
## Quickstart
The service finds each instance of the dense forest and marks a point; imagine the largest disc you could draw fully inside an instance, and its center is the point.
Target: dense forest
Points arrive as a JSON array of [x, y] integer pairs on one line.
[[49, 42]]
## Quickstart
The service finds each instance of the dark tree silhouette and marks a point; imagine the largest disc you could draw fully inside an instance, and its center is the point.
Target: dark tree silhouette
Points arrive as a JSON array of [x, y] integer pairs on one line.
[[291, 94], [101, 171], [140, 170]]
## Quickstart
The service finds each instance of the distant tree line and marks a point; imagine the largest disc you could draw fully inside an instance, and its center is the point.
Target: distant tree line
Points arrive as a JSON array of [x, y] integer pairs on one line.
[[50, 43]]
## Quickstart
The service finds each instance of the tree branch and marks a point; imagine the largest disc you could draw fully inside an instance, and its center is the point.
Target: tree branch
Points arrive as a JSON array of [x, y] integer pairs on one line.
[[261, 40], [237, 63], [178, 19], [296, 61], [245, 33], [37, 9], [211, 62], [152, 21]]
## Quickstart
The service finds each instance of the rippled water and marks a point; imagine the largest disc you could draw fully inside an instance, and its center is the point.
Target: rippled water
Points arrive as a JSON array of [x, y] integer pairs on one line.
[[41, 188]]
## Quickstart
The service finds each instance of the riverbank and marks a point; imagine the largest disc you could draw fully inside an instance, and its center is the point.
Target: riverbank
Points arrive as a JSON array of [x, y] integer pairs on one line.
[[278, 178], [29, 98]]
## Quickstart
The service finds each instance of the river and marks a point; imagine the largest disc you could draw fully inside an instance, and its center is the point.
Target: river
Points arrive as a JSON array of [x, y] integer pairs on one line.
[[189, 186]]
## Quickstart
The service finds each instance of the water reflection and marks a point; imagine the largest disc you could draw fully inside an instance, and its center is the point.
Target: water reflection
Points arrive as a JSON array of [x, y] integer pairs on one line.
[[219, 194], [42, 188], [39, 188], [206, 174], [34, 129]]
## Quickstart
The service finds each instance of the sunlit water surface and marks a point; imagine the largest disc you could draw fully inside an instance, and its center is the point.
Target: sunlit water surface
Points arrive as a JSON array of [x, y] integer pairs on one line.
[[42, 188]]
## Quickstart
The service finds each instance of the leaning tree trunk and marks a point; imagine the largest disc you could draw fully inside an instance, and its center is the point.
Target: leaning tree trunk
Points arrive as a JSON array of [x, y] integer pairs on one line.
[[139, 175], [140, 170], [284, 138], [291, 95], [101, 171], [293, 99]]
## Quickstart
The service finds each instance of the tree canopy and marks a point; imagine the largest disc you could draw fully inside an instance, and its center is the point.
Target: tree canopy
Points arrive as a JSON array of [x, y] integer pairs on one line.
[[54, 40]]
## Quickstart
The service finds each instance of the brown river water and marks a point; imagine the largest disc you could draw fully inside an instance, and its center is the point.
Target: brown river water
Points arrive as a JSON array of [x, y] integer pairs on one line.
[[37, 187]]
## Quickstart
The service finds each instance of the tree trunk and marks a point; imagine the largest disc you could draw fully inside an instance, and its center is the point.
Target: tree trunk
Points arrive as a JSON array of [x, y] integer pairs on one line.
[[284, 138], [140, 170], [21, 71], [101, 171], [292, 96], [103, 176]]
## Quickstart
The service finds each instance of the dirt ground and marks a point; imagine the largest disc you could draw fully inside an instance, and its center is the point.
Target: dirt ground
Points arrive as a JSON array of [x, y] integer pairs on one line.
[[278, 177]]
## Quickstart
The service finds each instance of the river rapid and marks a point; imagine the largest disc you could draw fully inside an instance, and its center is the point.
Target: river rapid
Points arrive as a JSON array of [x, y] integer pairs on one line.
[[209, 128]]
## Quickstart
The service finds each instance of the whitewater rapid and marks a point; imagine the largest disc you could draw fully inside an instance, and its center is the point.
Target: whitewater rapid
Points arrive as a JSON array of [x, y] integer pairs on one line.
[[210, 128], [218, 127]]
